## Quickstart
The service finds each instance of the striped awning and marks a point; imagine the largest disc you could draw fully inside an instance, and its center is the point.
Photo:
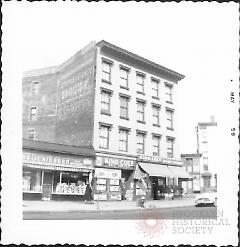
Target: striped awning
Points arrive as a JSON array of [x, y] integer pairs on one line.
[[57, 168]]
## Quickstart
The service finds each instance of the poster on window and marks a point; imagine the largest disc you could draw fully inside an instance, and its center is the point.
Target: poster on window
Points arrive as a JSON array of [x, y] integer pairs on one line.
[[114, 188], [114, 181], [114, 174]]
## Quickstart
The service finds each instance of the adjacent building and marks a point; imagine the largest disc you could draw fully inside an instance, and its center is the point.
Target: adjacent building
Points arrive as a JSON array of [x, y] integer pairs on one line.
[[121, 104]]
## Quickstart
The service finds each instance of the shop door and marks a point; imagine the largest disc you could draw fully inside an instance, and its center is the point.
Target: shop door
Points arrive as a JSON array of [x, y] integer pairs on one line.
[[47, 186]]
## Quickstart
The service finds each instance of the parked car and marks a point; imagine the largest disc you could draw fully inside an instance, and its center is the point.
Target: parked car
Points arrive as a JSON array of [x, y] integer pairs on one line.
[[207, 198]]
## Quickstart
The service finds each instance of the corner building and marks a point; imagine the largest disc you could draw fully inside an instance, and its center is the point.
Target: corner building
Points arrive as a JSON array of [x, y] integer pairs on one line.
[[123, 105]]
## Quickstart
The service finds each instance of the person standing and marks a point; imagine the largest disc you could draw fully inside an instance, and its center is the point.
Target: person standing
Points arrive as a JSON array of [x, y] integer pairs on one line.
[[88, 194]]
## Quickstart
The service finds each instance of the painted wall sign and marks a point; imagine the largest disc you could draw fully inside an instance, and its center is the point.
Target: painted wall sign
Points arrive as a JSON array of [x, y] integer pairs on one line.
[[156, 159], [57, 160], [112, 162]]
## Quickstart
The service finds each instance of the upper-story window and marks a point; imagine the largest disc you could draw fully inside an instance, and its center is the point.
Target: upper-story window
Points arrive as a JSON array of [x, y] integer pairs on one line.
[[170, 143], [141, 142], [140, 111], [155, 88], [32, 134], [156, 145], [105, 101], [124, 72], [124, 106], [35, 87], [106, 70], [104, 131], [156, 115], [123, 140], [140, 83], [33, 113], [169, 118], [169, 97]]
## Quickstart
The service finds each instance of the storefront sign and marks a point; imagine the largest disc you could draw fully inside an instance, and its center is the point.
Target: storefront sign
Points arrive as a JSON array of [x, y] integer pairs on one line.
[[156, 159], [112, 162], [107, 173], [31, 158]]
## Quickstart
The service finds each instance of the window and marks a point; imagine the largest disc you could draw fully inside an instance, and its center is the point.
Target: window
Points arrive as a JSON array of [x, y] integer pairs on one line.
[[156, 145], [106, 71], [140, 143], [205, 167], [35, 87], [169, 119], [124, 78], [168, 93], [140, 83], [156, 119], [170, 142], [123, 140], [104, 136], [155, 88], [33, 113], [105, 102], [140, 111], [124, 107], [31, 134]]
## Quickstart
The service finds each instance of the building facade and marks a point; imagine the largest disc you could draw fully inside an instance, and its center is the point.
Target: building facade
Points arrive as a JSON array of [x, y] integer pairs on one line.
[[192, 164], [123, 105], [206, 144]]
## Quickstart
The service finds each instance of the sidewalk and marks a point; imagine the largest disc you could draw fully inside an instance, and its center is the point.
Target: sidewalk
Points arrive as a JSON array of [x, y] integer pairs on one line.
[[80, 206]]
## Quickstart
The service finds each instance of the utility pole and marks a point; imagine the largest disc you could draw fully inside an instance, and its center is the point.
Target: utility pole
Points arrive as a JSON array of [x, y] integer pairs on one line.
[[197, 139]]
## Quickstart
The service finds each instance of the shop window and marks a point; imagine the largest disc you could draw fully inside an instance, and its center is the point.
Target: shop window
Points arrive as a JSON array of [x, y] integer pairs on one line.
[[170, 143], [124, 107], [104, 137], [168, 88], [105, 102], [106, 71], [140, 111], [155, 88], [140, 143], [123, 140], [33, 113], [32, 180], [156, 145], [156, 115], [169, 119], [124, 78], [140, 83]]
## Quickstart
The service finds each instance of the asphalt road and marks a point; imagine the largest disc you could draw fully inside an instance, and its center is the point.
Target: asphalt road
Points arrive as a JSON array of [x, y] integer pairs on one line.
[[160, 213]]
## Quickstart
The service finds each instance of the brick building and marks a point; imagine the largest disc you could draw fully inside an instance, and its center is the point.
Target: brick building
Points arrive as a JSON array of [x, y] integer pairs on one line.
[[123, 105]]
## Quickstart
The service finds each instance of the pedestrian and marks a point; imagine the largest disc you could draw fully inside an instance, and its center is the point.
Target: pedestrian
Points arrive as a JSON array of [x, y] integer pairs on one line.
[[88, 194], [181, 192]]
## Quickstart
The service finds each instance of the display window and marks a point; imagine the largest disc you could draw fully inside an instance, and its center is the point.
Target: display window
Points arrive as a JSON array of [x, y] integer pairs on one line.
[[32, 180]]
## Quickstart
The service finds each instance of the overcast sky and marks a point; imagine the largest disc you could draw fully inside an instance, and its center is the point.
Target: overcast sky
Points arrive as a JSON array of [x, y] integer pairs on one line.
[[199, 40]]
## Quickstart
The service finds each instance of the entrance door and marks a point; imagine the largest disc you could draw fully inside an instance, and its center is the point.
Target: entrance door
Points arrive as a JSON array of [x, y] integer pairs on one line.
[[158, 187], [47, 186]]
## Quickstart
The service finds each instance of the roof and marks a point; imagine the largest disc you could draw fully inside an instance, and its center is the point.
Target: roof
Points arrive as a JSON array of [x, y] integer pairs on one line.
[[58, 148], [126, 53], [191, 155]]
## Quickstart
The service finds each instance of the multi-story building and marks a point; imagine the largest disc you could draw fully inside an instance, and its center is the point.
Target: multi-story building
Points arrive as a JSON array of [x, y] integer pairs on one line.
[[206, 145], [192, 165], [123, 105]]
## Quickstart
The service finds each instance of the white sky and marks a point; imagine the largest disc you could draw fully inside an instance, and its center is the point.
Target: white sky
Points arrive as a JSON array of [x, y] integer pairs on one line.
[[199, 40]]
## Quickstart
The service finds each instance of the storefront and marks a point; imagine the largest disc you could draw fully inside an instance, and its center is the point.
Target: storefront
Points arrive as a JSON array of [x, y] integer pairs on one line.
[[58, 172], [112, 177], [164, 176]]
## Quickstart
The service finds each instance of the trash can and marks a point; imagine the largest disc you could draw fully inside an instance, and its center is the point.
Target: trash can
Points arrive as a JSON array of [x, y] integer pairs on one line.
[[141, 201]]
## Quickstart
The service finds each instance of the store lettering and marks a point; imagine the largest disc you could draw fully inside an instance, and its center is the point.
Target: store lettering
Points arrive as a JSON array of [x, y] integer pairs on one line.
[[119, 163]]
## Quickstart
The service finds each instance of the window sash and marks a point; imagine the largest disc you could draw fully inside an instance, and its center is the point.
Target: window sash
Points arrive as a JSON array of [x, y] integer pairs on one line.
[[140, 144], [156, 115], [169, 93], [123, 78], [106, 71], [105, 101], [156, 145], [31, 134], [104, 137], [170, 148], [170, 119], [155, 88], [140, 111], [123, 140], [123, 107], [33, 113], [140, 83]]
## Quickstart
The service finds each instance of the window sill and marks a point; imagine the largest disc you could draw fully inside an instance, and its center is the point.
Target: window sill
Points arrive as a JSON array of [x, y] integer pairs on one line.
[[169, 102], [108, 82], [157, 125], [126, 118], [105, 113], [143, 122], [138, 92], [170, 128], [154, 97], [126, 88]]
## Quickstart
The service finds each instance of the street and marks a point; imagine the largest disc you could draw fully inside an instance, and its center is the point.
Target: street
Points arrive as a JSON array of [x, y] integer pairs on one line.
[[133, 214]]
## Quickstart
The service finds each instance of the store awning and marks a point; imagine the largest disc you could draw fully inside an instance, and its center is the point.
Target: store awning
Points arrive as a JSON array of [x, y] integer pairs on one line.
[[179, 172], [155, 170]]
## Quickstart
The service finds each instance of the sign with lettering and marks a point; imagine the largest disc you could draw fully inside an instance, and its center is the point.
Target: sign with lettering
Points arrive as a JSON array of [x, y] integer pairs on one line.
[[159, 160], [107, 173], [111, 162], [49, 160]]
